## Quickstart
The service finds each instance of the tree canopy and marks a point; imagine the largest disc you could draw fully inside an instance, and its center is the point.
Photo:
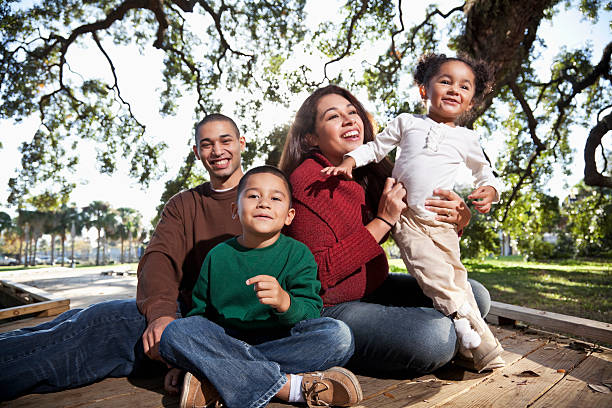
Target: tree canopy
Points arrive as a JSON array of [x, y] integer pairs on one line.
[[246, 47]]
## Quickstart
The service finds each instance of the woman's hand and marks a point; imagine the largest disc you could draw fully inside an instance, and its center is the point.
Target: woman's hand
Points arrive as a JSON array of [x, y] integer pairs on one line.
[[390, 208], [450, 208]]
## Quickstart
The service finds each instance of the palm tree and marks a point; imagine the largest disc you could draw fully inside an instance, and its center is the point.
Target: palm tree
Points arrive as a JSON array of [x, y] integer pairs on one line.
[[94, 215], [126, 216], [65, 217]]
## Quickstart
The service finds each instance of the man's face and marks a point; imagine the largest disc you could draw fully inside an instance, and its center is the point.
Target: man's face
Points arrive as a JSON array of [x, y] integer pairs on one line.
[[219, 149]]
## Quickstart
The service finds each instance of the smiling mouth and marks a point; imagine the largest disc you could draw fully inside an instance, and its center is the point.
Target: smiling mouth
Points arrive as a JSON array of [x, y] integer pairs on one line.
[[351, 135], [222, 163]]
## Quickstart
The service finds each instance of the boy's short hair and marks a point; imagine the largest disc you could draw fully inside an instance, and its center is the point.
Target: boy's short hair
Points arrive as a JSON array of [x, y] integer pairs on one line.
[[266, 169], [215, 117]]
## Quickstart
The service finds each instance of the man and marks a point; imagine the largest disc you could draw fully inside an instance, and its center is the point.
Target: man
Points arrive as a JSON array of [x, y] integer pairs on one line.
[[107, 339]]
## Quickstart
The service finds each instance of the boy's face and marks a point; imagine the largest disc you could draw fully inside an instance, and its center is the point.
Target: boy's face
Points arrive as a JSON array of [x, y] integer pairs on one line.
[[263, 206]]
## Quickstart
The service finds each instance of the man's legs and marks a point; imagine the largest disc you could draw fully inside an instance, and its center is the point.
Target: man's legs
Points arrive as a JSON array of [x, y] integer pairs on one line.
[[250, 375], [79, 347]]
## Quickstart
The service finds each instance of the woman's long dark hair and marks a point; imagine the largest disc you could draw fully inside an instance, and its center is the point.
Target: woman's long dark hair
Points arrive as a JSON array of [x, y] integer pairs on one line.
[[297, 146]]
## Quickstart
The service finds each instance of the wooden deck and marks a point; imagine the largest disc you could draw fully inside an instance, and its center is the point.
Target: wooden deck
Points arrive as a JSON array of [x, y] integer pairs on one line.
[[543, 370]]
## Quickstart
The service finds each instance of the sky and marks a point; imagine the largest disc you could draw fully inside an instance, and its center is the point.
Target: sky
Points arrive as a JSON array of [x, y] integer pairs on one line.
[[140, 80]]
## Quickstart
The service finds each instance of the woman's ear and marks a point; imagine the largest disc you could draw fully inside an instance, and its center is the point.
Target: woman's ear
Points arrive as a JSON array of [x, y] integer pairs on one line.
[[312, 140]]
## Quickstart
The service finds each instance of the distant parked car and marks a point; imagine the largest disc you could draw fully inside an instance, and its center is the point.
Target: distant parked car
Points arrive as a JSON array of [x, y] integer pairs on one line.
[[67, 261], [7, 260]]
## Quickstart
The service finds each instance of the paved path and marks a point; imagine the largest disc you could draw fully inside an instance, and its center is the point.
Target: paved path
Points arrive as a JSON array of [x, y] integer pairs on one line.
[[83, 286]]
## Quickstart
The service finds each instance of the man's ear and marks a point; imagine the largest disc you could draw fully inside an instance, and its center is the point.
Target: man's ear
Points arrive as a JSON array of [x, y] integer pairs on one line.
[[234, 211], [290, 216], [242, 142], [195, 151]]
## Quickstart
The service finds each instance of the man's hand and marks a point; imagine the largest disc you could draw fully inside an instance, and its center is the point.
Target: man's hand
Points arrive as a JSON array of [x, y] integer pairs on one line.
[[344, 169], [482, 198], [269, 292], [172, 381], [152, 336]]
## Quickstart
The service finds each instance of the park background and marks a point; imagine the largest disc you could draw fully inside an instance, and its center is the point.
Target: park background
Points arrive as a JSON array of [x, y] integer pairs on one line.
[[97, 120]]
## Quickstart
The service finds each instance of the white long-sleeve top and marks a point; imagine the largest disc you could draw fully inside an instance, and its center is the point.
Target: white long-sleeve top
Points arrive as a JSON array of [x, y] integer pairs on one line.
[[430, 156]]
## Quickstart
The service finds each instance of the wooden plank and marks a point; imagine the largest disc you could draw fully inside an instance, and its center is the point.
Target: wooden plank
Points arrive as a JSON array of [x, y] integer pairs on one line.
[[22, 323], [37, 294], [520, 384], [54, 311], [590, 329], [574, 391], [450, 381], [32, 308], [109, 393]]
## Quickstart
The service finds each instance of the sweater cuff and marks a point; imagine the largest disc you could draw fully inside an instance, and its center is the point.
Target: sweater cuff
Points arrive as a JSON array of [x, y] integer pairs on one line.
[[293, 315], [159, 309]]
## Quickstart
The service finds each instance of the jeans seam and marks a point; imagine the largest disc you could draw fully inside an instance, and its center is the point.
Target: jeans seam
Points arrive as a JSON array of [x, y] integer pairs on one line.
[[264, 399], [64, 339]]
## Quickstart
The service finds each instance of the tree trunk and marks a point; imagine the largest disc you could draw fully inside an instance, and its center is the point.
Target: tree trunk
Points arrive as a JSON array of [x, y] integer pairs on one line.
[[63, 248], [52, 249], [98, 249], [501, 32], [122, 260]]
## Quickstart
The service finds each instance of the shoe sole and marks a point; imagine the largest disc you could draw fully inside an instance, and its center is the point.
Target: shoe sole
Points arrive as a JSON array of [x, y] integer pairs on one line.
[[353, 379], [185, 390]]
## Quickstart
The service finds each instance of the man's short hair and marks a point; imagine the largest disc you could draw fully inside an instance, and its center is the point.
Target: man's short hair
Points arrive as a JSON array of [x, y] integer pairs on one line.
[[215, 117], [266, 169]]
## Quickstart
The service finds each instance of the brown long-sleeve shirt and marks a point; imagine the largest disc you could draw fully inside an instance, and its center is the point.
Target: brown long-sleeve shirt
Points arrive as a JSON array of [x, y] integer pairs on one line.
[[191, 224]]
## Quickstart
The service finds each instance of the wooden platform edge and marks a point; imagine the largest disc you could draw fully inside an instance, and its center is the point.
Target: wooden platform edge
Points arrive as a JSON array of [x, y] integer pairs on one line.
[[46, 305], [578, 326]]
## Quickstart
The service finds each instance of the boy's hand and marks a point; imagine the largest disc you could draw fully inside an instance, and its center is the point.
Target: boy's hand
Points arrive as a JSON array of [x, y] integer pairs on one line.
[[482, 198], [344, 169], [269, 292], [172, 381]]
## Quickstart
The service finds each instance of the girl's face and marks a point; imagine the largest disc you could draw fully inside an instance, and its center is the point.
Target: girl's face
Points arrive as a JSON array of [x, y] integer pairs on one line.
[[450, 92], [338, 128]]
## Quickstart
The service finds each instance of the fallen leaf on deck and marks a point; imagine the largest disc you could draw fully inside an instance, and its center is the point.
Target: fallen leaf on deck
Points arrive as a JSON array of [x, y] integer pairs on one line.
[[522, 383], [528, 373], [560, 370], [389, 395], [599, 388]]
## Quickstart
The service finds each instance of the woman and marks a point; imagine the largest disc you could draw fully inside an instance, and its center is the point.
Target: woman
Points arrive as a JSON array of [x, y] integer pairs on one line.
[[343, 223]]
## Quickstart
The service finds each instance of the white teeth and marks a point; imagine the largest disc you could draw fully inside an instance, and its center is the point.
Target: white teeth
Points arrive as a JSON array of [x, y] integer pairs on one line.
[[351, 133]]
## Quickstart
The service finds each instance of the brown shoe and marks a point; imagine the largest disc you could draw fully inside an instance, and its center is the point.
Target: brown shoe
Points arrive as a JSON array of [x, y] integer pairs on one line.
[[334, 387], [198, 394]]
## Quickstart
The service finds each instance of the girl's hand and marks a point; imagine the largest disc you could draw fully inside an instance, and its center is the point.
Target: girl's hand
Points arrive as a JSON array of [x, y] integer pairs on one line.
[[450, 208], [344, 169], [269, 292], [482, 198], [172, 381]]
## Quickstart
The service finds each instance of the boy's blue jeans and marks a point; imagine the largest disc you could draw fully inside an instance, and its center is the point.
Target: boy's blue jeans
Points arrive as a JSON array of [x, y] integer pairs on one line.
[[248, 368]]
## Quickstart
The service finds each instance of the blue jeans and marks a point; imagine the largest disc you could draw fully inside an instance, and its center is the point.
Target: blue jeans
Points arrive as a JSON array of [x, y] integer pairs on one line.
[[79, 347], [248, 368], [397, 331]]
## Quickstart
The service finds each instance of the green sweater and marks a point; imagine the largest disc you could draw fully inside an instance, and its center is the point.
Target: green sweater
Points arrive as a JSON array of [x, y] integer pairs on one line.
[[221, 294]]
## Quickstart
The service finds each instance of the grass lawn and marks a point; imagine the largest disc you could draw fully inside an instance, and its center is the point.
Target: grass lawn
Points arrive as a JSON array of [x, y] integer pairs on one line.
[[575, 288]]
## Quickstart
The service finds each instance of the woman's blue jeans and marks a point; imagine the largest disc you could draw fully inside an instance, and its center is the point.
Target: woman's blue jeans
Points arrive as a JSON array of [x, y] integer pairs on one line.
[[248, 368], [79, 347], [397, 331]]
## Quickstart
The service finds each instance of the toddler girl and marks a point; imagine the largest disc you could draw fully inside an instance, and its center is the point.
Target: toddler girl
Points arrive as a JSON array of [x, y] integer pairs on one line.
[[431, 150]]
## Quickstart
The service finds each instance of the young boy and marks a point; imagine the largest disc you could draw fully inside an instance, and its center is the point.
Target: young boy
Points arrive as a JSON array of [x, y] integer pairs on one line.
[[256, 316]]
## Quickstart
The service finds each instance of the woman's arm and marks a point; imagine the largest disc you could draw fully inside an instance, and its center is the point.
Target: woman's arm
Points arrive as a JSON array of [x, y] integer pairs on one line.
[[450, 208]]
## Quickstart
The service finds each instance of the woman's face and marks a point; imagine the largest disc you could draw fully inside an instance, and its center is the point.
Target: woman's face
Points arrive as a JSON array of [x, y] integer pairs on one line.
[[338, 128]]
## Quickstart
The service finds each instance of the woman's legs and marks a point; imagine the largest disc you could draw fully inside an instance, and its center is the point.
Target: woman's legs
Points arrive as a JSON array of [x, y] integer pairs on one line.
[[397, 331], [77, 348]]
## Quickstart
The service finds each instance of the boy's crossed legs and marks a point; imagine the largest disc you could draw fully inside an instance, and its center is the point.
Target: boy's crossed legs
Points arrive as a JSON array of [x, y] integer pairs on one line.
[[250, 375]]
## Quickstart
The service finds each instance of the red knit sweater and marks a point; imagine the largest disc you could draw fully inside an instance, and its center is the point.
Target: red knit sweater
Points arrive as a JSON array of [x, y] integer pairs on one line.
[[330, 217]]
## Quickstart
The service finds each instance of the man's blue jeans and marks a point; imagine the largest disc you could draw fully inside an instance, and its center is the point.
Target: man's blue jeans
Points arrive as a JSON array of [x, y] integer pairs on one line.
[[248, 368], [79, 347], [397, 331]]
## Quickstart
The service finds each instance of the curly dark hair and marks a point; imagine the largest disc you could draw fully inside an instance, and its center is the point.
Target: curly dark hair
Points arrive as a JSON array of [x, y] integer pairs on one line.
[[429, 65]]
